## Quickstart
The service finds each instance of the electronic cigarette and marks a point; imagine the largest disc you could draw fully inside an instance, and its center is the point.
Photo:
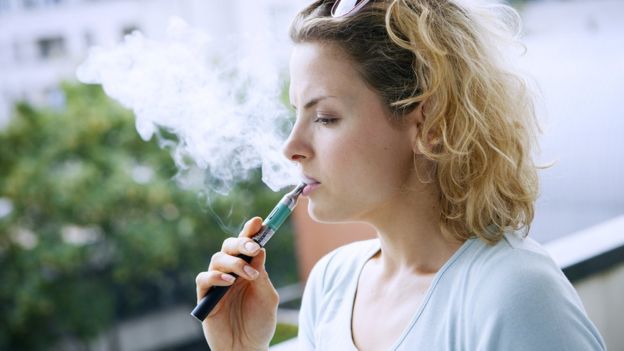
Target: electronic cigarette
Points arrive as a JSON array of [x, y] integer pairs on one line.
[[270, 225]]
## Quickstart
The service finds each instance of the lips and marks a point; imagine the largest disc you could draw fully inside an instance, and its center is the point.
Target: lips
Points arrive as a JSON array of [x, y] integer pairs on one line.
[[309, 180], [310, 188], [312, 184]]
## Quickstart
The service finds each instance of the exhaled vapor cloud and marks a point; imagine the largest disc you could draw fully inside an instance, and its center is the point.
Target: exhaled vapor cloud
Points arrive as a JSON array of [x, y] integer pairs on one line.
[[222, 103]]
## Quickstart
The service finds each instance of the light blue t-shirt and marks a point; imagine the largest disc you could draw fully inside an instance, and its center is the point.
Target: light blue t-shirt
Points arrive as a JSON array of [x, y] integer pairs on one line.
[[506, 297]]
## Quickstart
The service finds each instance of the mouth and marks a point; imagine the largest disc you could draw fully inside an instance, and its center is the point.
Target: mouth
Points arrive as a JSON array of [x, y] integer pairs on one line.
[[309, 180], [312, 184], [310, 188]]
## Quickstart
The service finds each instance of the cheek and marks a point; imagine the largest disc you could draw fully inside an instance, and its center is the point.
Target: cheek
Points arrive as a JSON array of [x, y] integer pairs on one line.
[[385, 158], [346, 160], [362, 172], [336, 153], [370, 151]]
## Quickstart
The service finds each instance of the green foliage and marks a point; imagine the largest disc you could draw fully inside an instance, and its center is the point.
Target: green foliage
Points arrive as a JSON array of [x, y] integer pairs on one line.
[[99, 231], [518, 4], [284, 332]]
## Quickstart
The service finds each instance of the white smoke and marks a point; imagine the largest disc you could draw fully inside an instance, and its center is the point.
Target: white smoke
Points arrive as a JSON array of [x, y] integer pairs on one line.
[[222, 103]]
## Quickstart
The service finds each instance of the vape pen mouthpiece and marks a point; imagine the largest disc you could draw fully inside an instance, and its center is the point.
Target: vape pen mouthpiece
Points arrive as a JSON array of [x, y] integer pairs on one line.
[[298, 190]]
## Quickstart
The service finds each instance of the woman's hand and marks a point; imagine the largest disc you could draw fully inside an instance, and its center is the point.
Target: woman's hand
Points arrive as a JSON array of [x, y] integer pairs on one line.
[[246, 316]]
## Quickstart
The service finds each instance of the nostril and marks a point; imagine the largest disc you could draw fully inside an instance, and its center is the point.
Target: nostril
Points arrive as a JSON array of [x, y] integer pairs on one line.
[[297, 157]]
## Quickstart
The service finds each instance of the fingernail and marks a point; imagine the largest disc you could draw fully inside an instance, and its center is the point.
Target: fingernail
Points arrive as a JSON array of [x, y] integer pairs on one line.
[[251, 247], [250, 271], [228, 278]]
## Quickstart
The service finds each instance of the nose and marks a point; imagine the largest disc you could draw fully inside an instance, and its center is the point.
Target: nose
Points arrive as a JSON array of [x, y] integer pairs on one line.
[[297, 147]]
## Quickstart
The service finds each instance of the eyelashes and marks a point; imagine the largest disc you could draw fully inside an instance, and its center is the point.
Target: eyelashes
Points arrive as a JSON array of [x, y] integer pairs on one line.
[[326, 120]]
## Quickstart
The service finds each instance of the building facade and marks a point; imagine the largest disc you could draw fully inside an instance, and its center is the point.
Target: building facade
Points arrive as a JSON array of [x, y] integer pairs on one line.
[[43, 41]]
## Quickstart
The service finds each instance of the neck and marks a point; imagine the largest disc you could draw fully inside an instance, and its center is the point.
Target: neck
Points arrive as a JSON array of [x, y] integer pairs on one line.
[[410, 235]]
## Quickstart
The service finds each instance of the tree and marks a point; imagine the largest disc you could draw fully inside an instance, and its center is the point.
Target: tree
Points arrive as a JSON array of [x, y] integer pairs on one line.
[[99, 231]]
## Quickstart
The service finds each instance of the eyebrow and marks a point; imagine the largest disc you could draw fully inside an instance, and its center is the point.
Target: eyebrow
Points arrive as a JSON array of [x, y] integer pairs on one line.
[[314, 101]]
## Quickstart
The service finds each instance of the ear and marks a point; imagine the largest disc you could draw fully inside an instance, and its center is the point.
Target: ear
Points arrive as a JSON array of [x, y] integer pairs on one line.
[[414, 122]]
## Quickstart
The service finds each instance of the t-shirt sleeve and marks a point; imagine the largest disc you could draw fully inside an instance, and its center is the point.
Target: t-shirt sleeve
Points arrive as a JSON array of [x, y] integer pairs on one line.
[[532, 307], [311, 304]]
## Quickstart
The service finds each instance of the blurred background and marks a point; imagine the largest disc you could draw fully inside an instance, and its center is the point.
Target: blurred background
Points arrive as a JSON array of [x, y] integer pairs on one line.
[[99, 246]]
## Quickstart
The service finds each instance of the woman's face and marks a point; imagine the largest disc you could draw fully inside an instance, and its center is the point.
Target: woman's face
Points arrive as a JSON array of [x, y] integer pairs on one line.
[[343, 138]]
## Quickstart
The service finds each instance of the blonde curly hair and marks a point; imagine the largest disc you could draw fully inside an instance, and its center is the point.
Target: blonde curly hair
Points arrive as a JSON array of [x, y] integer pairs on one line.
[[479, 117]]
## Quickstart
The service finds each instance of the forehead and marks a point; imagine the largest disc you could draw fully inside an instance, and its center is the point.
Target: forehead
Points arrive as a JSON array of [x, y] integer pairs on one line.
[[321, 68]]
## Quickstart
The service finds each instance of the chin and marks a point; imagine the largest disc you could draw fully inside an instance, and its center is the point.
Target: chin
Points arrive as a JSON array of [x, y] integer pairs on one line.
[[325, 214]]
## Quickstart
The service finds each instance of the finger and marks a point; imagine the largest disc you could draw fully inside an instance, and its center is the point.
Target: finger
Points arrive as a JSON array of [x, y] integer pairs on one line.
[[236, 246], [265, 288], [206, 280], [251, 227], [223, 262], [259, 261]]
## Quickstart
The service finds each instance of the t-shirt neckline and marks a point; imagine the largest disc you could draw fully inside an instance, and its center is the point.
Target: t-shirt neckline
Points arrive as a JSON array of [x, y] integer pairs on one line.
[[353, 289]]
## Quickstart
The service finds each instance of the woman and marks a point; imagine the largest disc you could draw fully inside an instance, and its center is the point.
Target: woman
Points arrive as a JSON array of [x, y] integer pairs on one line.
[[408, 120]]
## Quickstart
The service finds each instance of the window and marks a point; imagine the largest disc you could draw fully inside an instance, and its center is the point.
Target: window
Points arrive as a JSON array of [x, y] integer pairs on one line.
[[128, 30], [51, 48], [32, 4], [29, 4]]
